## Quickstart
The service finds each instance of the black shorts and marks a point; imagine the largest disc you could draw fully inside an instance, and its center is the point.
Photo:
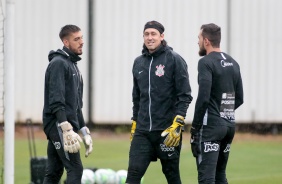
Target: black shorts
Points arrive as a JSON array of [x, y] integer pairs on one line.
[[151, 144], [148, 146]]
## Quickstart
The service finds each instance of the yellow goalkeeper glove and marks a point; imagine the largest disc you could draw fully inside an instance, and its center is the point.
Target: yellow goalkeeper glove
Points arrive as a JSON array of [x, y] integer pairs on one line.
[[173, 133], [133, 127]]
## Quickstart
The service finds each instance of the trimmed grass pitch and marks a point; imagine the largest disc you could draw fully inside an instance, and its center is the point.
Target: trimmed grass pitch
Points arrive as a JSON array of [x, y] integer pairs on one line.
[[253, 158]]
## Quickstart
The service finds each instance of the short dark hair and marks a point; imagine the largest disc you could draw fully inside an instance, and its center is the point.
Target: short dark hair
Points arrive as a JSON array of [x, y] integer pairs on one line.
[[67, 30], [213, 33]]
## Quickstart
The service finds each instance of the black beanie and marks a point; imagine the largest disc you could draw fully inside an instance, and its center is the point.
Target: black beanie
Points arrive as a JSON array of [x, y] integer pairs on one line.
[[154, 24]]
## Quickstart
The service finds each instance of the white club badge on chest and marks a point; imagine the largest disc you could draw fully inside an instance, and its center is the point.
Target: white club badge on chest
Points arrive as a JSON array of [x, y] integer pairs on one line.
[[160, 70]]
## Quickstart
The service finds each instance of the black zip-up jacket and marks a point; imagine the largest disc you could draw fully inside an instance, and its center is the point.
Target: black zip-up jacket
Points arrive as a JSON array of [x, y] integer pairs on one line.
[[63, 90], [161, 88]]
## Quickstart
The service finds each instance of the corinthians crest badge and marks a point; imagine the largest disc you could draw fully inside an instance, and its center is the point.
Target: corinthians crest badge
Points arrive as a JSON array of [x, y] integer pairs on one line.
[[160, 70], [57, 145]]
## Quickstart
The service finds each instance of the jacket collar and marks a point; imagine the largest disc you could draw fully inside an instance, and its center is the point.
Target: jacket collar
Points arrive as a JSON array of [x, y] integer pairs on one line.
[[73, 57], [158, 51]]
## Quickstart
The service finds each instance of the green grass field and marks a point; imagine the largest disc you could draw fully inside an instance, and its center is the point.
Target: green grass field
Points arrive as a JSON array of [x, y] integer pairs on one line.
[[253, 159]]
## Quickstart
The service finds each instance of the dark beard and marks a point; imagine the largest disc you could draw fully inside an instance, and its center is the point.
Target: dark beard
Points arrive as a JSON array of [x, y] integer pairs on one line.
[[202, 52]]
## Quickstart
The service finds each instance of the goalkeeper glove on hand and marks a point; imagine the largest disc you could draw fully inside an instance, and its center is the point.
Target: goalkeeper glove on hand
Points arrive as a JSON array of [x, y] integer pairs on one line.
[[71, 139], [173, 132], [87, 140], [195, 141], [133, 127]]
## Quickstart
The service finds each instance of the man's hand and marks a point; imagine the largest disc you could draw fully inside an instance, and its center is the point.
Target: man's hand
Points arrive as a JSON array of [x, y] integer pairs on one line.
[[195, 142], [87, 140], [173, 133], [71, 139], [133, 127]]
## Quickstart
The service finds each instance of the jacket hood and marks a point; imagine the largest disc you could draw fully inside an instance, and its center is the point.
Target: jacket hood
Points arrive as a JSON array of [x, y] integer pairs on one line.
[[65, 52], [159, 50]]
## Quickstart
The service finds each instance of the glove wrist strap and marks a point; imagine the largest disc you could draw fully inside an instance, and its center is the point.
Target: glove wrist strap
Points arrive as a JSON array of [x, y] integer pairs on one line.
[[195, 129], [179, 119], [85, 131], [65, 126]]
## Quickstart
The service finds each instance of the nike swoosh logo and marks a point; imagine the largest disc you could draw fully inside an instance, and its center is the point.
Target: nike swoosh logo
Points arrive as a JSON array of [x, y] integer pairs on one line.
[[140, 71], [170, 154]]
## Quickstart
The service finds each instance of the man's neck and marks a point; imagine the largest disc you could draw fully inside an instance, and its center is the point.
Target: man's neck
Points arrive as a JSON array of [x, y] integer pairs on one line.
[[212, 49]]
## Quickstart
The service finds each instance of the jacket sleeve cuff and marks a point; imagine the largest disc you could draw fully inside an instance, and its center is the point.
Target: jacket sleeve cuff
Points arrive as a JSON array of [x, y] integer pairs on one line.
[[196, 126], [80, 118], [61, 116]]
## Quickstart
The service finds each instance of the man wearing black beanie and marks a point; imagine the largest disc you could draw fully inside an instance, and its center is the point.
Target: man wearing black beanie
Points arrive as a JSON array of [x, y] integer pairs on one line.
[[161, 96]]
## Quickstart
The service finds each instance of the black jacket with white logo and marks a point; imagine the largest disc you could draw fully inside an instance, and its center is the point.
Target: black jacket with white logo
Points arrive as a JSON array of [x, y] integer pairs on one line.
[[161, 88], [63, 90], [220, 90]]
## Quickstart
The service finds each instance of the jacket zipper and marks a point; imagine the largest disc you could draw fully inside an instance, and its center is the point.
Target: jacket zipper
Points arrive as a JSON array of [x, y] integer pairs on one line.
[[150, 94], [78, 80]]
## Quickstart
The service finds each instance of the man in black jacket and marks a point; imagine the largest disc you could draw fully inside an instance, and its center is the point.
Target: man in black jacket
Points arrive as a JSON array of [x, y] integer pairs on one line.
[[161, 96], [62, 113], [220, 94]]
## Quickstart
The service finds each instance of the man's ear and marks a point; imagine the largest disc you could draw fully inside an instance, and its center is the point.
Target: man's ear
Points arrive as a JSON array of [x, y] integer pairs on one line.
[[66, 43], [206, 42], [162, 37]]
